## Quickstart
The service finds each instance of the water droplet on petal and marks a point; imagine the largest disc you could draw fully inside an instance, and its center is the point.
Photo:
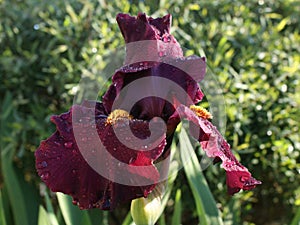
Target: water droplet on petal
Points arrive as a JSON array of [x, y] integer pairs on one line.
[[131, 160], [243, 179], [44, 164], [137, 30], [166, 39], [45, 176], [106, 204], [57, 143], [74, 202], [68, 144]]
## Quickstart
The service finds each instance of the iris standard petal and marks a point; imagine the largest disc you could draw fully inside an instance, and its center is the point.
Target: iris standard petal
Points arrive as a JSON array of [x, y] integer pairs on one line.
[[148, 39], [174, 83]]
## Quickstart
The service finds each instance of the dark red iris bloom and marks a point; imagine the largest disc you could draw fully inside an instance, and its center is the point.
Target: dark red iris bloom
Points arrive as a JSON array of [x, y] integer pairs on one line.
[[92, 155]]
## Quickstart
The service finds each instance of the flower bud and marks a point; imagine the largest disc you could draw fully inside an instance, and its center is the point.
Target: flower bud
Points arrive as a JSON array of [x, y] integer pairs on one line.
[[146, 211]]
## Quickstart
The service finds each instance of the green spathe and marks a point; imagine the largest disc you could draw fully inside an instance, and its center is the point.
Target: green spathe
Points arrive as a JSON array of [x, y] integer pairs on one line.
[[146, 211]]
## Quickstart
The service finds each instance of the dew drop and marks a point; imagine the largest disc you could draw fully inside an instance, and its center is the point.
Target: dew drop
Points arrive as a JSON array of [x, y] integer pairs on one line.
[[44, 164], [131, 160], [243, 179], [137, 30], [57, 143], [45, 176], [74, 202], [115, 149], [68, 144], [74, 171], [106, 204], [166, 39], [161, 54]]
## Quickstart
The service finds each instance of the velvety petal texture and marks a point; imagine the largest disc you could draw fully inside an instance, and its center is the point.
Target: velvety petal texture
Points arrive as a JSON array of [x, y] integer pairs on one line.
[[66, 168], [161, 81], [153, 35], [215, 146], [152, 54]]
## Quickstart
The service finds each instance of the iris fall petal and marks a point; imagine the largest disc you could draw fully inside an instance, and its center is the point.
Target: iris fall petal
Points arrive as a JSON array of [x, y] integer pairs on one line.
[[64, 168], [215, 146]]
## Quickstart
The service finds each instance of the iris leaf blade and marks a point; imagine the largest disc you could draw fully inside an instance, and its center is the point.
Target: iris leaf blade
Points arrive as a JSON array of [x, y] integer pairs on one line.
[[72, 214], [207, 210], [43, 217], [7, 147], [2, 214], [176, 218]]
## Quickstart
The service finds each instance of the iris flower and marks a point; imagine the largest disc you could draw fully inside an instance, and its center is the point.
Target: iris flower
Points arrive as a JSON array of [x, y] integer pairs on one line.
[[105, 153]]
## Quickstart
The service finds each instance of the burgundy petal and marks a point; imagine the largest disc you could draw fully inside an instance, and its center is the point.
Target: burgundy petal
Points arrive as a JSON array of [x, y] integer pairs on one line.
[[175, 83], [148, 39], [157, 58], [136, 28], [64, 168], [212, 142]]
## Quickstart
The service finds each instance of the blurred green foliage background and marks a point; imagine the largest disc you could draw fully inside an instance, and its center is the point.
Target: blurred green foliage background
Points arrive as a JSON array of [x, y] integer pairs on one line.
[[252, 47]]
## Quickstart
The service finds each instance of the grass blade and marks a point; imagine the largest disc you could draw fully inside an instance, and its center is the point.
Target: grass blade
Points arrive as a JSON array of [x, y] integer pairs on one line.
[[8, 147], [296, 219], [96, 216], [43, 217], [2, 214], [50, 211], [128, 219], [207, 210], [71, 213], [15, 194], [176, 219]]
